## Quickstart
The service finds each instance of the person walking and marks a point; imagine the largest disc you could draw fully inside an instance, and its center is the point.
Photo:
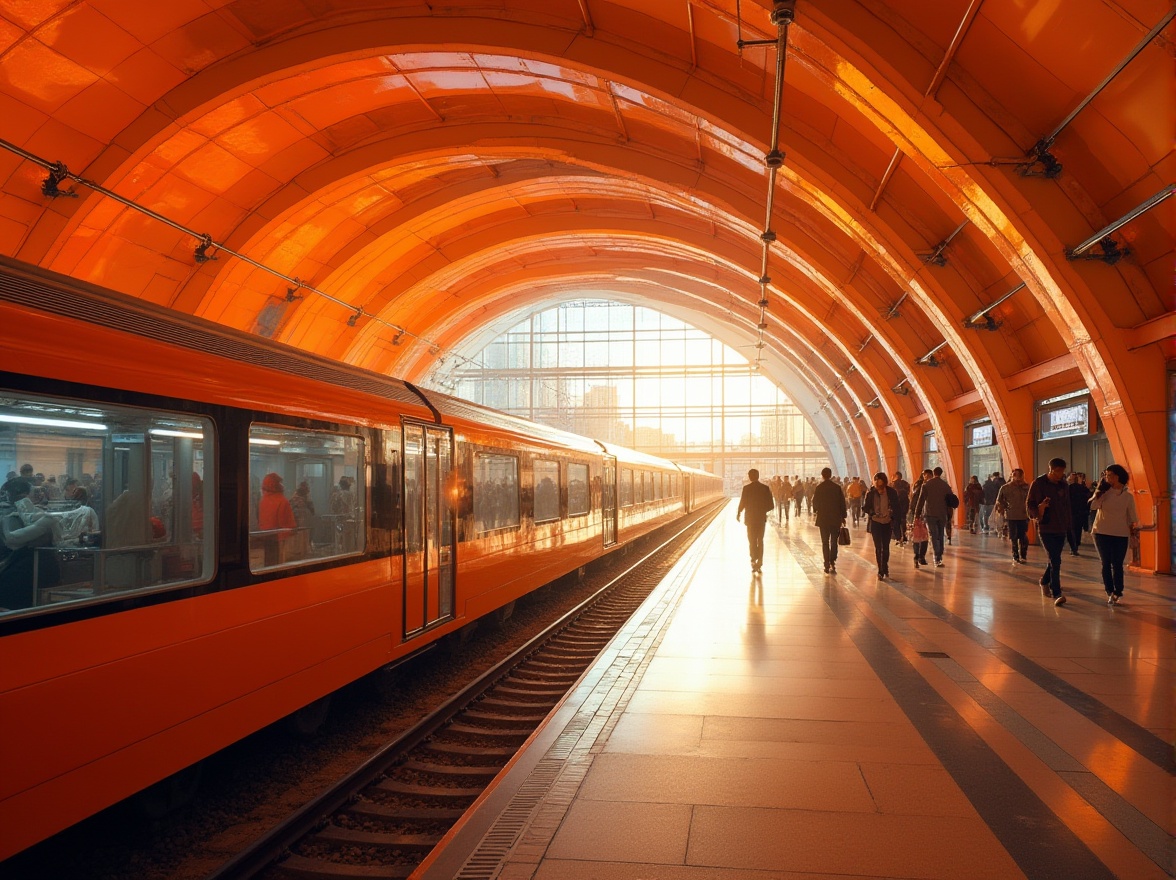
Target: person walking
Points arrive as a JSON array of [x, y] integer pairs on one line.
[[903, 489], [781, 492], [1048, 502], [880, 508], [1079, 511], [991, 487], [829, 506], [931, 505], [854, 492], [973, 499], [756, 501], [1115, 520], [1010, 504], [797, 493]]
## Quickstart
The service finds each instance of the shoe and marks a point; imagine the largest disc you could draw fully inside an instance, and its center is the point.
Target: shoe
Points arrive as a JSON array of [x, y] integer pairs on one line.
[[1073, 552], [1060, 600], [833, 568], [1118, 597], [949, 540], [1111, 600], [826, 568], [939, 563]]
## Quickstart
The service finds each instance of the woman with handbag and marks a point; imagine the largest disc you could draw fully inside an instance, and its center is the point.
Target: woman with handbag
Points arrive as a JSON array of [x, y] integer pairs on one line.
[[1114, 525], [920, 538], [880, 508]]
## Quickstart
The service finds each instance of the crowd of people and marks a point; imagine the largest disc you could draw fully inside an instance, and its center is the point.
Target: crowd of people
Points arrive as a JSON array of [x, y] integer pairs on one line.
[[1058, 506]]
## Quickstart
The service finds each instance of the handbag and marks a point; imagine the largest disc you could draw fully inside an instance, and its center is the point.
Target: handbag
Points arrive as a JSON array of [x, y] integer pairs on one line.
[[843, 537], [1031, 532], [920, 534]]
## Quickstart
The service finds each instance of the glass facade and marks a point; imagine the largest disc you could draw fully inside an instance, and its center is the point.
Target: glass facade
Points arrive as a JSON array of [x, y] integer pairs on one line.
[[630, 375]]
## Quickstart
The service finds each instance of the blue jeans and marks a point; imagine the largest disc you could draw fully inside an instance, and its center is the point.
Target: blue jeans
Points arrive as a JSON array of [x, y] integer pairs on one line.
[[1053, 544], [936, 525], [985, 514]]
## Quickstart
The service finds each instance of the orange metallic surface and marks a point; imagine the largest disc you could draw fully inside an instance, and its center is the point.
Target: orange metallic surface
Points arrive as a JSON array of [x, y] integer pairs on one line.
[[441, 167]]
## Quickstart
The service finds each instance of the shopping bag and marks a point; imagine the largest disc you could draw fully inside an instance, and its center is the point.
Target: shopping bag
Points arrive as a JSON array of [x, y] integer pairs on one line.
[[843, 537], [1031, 533]]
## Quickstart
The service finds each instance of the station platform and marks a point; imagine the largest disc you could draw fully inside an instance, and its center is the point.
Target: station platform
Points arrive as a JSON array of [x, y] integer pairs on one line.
[[945, 723]]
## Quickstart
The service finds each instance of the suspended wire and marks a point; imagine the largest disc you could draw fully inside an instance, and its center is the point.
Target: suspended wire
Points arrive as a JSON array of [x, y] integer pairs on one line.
[[58, 173]]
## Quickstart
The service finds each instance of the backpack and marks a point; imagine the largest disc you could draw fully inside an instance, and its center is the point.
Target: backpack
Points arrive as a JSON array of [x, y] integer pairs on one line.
[[952, 500]]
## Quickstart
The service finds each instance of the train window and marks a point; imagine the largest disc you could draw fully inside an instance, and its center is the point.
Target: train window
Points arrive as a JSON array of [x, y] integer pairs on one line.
[[101, 501], [578, 501], [546, 490], [306, 496], [496, 492], [626, 487]]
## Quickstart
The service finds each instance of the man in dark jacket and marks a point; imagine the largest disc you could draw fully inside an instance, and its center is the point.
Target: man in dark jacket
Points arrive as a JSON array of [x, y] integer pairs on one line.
[[931, 504], [1079, 510], [903, 489], [829, 506], [756, 502], [991, 489], [1048, 502]]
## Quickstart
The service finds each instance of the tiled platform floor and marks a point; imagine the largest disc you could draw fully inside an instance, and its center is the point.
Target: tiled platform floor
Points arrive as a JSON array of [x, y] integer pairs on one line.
[[947, 723]]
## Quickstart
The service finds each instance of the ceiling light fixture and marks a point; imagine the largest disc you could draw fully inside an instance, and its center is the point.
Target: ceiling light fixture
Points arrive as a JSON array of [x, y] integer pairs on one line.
[[929, 359], [1111, 253], [982, 320]]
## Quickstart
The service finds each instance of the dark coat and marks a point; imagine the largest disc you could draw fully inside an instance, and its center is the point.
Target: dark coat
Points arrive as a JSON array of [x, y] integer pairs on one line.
[[755, 502], [1054, 519], [892, 500], [829, 504]]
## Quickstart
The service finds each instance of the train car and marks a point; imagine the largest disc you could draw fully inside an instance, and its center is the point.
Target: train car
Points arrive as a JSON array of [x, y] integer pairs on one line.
[[204, 532]]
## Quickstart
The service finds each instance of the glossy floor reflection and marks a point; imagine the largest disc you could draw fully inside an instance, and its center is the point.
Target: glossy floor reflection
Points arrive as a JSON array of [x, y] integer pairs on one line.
[[944, 723]]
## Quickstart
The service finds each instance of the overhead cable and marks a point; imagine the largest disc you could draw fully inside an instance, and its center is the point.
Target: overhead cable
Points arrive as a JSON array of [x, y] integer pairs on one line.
[[59, 173]]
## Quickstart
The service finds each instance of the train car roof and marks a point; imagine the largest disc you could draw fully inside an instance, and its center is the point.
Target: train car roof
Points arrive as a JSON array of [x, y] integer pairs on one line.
[[45, 291], [455, 407], [632, 456]]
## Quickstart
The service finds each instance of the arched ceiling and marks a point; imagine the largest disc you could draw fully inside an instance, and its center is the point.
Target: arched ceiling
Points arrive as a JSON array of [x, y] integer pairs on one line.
[[430, 168]]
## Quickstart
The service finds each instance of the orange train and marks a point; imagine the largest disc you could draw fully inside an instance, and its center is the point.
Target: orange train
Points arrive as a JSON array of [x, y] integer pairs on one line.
[[204, 532]]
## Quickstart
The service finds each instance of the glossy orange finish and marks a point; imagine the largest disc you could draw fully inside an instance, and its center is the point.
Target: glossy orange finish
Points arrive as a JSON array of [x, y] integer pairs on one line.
[[406, 161]]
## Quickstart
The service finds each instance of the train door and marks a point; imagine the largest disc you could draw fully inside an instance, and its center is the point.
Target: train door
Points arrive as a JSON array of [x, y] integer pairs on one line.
[[429, 527], [608, 500], [688, 492]]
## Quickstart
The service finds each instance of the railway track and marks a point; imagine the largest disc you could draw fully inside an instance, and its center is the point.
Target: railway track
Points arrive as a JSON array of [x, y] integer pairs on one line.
[[383, 819]]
